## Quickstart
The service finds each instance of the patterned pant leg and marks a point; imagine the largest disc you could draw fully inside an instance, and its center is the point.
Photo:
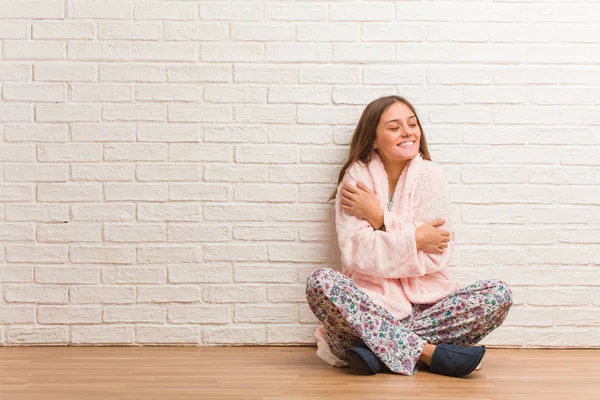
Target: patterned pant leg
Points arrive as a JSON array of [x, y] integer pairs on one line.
[[349, 316], [464, 317]]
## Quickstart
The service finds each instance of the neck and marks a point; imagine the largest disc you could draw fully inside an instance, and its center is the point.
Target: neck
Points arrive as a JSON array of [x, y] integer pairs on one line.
[[393, 169]]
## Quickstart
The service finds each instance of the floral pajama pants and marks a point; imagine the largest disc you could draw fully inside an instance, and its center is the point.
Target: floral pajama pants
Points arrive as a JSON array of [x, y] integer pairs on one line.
[[351, 318]]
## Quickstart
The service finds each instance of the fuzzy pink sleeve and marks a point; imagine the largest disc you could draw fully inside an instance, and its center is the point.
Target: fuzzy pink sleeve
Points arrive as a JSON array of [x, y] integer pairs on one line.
[[432, 201], [373, 252]]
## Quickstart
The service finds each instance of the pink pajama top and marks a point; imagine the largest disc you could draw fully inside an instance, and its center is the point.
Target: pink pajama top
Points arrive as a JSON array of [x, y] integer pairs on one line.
[[386, 265]]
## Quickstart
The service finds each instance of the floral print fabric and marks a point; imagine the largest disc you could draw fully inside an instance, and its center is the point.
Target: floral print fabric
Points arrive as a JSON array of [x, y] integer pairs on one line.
[[351, 318]]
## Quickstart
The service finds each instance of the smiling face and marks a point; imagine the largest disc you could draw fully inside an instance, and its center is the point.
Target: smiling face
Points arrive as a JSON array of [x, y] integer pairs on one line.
[[398, 134]]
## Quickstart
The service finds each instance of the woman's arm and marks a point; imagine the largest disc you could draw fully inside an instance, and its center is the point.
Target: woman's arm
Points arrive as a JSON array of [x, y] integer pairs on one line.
[[369, 251], [432, 202]]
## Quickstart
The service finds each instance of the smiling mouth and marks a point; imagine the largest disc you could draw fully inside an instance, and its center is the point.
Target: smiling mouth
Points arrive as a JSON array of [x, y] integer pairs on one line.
[[406, 144]]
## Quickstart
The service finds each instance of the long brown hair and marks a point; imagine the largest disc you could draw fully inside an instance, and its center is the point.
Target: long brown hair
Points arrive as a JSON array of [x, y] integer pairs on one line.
[[361, 147]]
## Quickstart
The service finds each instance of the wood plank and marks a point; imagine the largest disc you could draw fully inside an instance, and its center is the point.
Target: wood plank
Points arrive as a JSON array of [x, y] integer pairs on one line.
[[280, 373]]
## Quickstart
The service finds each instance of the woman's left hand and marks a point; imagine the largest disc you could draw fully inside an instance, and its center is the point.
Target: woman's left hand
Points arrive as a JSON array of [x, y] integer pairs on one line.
[[360, 201]]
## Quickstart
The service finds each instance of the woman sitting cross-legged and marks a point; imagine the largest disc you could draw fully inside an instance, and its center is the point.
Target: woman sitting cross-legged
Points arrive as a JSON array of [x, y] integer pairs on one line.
[[394, 307]]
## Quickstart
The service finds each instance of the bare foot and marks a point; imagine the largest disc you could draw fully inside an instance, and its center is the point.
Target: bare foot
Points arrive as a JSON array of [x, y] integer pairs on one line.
[[427, 353]]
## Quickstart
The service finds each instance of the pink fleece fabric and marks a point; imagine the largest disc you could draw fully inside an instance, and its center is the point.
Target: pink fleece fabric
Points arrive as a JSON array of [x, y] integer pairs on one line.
[[387, 265]]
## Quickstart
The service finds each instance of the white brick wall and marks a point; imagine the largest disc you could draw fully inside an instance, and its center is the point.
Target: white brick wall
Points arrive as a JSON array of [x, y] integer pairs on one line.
[[164, 164]]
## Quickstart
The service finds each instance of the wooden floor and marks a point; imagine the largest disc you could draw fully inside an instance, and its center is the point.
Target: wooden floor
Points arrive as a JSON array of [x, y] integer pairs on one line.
[[279, 373]]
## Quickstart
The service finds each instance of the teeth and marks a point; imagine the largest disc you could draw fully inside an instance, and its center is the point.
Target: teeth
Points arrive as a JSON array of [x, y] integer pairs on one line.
[[407, 144]]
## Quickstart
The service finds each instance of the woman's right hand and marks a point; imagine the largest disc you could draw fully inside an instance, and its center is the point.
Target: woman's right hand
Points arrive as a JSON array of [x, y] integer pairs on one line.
[[432, 239]]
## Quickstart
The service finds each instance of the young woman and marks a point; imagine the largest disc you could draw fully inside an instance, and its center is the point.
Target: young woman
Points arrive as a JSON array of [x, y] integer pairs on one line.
[[394, 306]]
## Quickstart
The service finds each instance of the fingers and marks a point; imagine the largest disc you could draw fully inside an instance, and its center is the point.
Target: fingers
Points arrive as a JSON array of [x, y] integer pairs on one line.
[[347, 197], [438, 221], [363, 187], [348, 187]]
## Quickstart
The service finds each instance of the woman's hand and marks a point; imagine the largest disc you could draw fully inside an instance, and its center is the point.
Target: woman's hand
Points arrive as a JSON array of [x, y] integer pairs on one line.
[[361, 202], [431, 239]]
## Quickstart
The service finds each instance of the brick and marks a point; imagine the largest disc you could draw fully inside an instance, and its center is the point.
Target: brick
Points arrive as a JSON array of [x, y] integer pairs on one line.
[[99, 9], [265, 314], [14, 30], [235, 94], [235, 134], [167, 172], [265, 192], [146, 92], [102, 132], [235, 294], [167, 334], [234, 173], [203, 113], [55, 335], [134, 313], [36, 92], [103, 212], [169, 254], [69, 314], [232, 52], [204, 273], [208, 314], [329, 74], [196, 31], [191, 232], [297, 52], [263, 31], [67, 112], [37, 212], [164, 51], [68, 192], [198, 191], [135, 192], [135, 275], [16, 113], [17, 233], [134, 112], [380, 11], [63, 30], [167, 133], [73, 72], [68, 275], [15, 71], [235, 334], [235, 252], [327, 32], [237, 11], [264, 114], [97, 254], [169, 212], [32, 9], [69, 152], [124, 72], [36, 173], [169, 294], [100, 334], [123, 233], [101, 92], [16, 274], [166, 11], [130, 30], [199, 73], [99, 51], [287, 94], [17, 153], [46, 294]]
